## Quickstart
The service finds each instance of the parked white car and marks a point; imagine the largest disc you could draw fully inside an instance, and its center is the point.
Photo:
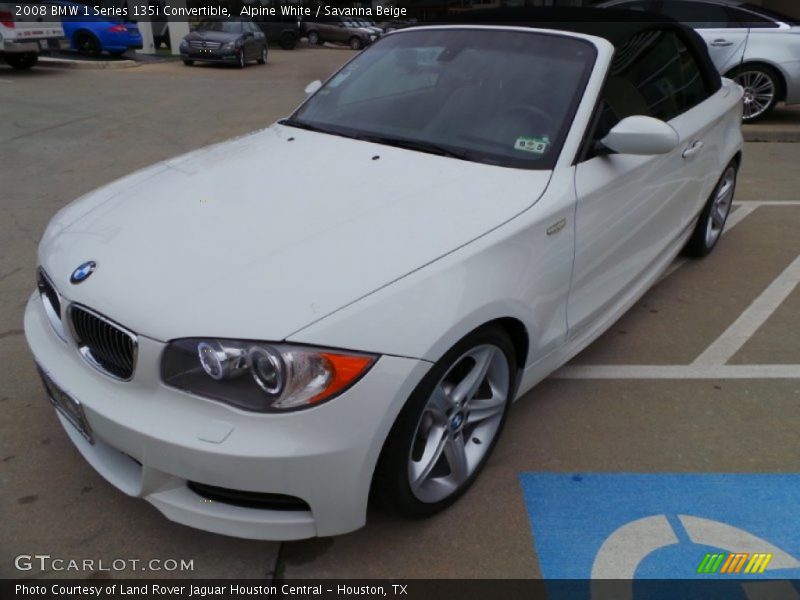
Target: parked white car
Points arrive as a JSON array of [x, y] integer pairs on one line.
[[756, 47], [22, 36], [285, 353]]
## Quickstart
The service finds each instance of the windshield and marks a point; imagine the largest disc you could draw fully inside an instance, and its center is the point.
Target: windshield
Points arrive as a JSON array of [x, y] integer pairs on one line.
[[223, 26], [495, 96]]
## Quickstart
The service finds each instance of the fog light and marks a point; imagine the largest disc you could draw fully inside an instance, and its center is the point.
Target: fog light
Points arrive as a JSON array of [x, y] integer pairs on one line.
[[267, 368]]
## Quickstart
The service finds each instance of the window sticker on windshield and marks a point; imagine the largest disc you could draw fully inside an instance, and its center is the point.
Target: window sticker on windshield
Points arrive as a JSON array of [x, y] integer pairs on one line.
[[532, 144]]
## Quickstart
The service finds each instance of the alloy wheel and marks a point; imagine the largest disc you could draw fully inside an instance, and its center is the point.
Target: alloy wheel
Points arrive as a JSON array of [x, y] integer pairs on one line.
[[759, 93], [459, 423], [721, 206]]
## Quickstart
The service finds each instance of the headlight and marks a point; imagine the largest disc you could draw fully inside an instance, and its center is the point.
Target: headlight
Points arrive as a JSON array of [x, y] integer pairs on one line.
[[229, 45], [260, 376], [184, 44]]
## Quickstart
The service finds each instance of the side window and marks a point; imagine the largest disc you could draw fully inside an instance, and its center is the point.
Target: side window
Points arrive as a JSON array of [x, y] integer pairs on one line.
[[635, 5], [698, 15], [654, 74], [694, 89], [752, 20]]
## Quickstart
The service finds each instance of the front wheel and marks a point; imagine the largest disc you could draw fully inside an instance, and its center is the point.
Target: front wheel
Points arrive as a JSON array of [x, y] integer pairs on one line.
[[355, 43], [761, 89], [241, 61], [188, 62], [22, 61], [313, 38], [449, 426], [714, 215], [262, 58]]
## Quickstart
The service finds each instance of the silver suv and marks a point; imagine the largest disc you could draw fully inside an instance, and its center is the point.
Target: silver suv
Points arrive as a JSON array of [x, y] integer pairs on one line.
[[339, 30]]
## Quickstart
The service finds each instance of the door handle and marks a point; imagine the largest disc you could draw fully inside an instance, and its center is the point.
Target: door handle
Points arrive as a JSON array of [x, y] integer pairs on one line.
[[693, 149], [721, 43]]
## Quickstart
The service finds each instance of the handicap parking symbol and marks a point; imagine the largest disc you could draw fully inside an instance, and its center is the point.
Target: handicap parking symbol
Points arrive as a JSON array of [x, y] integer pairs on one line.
[[735, 527]]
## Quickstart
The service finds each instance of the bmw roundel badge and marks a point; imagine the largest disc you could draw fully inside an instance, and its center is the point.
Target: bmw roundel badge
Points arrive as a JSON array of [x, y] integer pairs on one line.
[[82, 272]]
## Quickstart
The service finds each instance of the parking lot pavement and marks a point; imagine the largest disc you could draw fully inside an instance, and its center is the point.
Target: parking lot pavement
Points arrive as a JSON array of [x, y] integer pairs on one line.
[[631, 403]]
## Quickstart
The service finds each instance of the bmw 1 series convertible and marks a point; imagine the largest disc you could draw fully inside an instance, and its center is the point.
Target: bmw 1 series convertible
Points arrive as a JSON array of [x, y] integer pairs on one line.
[[263, 363]]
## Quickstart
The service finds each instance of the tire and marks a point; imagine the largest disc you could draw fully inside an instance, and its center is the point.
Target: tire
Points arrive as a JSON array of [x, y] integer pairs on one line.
[[714, 215], [440, 441], [22, 61], [355, 43], [762, 88], [287, 41], [241, 60], [314, 39], [188, 62], [87, 43], [262, 58]]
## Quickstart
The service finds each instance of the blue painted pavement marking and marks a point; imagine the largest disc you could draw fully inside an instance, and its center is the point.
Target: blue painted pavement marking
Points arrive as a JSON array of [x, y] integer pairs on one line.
[[660, 526]]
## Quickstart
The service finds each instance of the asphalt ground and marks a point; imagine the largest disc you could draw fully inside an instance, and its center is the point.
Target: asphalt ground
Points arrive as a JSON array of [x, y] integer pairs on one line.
[[636, 401]]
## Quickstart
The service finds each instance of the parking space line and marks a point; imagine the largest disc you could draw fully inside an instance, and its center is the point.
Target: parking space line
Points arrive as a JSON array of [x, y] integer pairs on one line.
[[741, 330], [678, 372]]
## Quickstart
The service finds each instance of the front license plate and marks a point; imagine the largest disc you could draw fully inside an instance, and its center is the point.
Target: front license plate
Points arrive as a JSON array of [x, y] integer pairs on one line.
[[43, 44], [67, 406]]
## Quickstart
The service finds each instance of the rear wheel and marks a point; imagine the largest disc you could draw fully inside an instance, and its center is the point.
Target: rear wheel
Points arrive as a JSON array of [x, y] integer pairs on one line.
[[714, 216], [22, 61], [313, 38], [87, 43], [762, 86], [355, 43], [449, 426]]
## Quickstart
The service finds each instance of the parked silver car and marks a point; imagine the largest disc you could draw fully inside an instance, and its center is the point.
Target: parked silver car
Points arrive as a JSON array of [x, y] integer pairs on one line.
[[758, 48]]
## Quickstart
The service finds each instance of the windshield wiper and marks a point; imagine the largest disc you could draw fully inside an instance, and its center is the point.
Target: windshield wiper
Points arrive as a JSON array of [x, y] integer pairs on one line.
[[418, 145], [305, 125]]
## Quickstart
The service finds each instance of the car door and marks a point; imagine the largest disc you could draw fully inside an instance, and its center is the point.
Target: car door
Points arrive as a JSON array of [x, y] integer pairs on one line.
[[725, 36], [632, 210]]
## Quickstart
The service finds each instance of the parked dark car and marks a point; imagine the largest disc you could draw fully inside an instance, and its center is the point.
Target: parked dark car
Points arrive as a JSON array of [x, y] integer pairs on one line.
[[339, 30], [235, 41], [283, 31]]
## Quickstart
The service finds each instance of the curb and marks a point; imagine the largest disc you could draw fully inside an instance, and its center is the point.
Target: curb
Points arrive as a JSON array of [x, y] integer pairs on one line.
[[66, 63], [782, 136]]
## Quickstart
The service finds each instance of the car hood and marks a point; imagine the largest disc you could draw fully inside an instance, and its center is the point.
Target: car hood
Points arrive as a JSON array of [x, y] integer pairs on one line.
[[212, 36], [260, 236]]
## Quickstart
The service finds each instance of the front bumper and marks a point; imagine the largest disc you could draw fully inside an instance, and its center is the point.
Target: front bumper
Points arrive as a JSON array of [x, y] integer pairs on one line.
[[151, 440], [33, 45], [791, 72], [211, 55]]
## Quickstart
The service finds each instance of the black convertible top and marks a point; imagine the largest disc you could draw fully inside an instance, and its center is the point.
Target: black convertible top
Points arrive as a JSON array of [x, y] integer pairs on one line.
[[618, 26]]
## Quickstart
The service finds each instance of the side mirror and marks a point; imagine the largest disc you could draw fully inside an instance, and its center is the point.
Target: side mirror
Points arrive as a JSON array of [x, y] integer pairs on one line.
[[313, 87], [642, 136]]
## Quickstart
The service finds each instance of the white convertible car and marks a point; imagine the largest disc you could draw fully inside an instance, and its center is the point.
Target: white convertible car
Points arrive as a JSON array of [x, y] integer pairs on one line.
[[260, 363]]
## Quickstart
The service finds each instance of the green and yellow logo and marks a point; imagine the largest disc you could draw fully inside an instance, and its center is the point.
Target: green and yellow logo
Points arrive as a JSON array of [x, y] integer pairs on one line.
[[734, 563]]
